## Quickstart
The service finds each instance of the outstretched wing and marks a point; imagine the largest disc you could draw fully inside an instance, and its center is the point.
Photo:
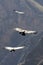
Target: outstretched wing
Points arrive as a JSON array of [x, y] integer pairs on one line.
[[30, 32], [18, 47], [19, 29], [9, 48]]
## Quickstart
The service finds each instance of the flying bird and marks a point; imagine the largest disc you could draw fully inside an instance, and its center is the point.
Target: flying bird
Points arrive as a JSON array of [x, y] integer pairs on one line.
[[24, 32], [19, 12], [14, 48]]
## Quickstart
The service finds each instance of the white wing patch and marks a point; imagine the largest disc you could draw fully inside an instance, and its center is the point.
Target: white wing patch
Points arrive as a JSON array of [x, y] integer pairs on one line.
[[21, 30], [19, 12], [15, 48], [30, 31], [8, 48]]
